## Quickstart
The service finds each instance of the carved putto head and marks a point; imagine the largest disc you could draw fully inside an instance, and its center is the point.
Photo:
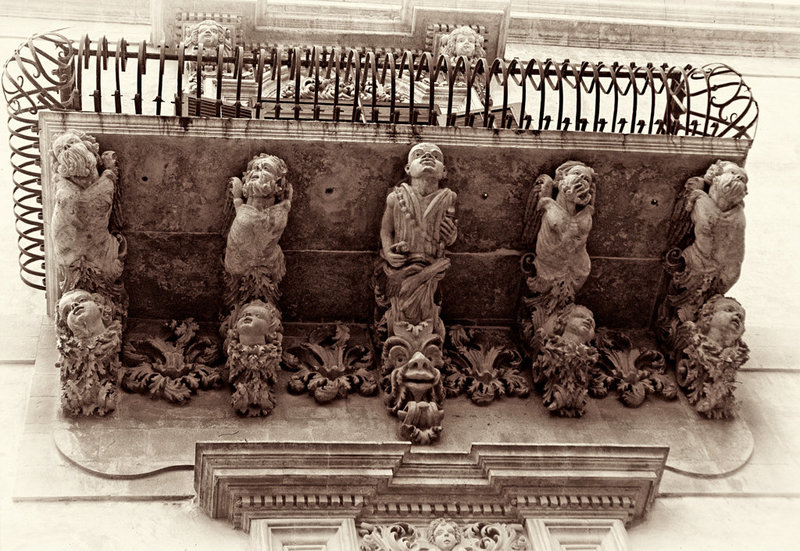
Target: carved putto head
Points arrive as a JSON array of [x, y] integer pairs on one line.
[[207, 33], [265, 177], [444, 534], [463, 41], [412, 358], [77, 155], [574, 180], [82, 314], [575, 324], [426, 160], [257, 323], [727, 183], [721, 319]]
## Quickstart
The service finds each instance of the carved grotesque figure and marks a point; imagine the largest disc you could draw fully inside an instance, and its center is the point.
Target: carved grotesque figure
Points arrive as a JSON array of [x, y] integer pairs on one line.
[[253, 345], [417, 226], [561, 368], [444, 534], [253, 259], [411, 363], [707, 366], [707, 237], [87, 254], [89, 341], [463, 41], [558, 219]]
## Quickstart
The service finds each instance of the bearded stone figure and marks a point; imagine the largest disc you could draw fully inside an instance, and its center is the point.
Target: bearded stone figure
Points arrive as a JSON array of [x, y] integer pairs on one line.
[[707, 366], [565, 356], [558, 220], [707, 240], [89, 340], [253, 345], [254, 261], [88, 256]]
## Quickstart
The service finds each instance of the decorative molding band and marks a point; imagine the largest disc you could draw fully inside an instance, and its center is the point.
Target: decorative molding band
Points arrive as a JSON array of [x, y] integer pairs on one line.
[[570, 533], [381, 482], [105, 123]]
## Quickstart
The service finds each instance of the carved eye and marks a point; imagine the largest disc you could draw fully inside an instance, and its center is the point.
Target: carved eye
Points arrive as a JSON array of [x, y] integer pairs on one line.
[[398, 355], [433, 353]]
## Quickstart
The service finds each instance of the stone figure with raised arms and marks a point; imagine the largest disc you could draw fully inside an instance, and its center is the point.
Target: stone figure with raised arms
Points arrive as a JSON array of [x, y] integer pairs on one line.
[[88, 256], [89, 339]]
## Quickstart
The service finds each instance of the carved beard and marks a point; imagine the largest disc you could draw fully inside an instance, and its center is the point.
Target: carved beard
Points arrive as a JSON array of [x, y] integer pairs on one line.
[[259, 187], [577, 189], [76, 162]]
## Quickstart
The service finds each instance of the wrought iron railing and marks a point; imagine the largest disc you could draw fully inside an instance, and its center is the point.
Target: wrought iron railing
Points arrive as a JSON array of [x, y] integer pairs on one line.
[[352, 86]]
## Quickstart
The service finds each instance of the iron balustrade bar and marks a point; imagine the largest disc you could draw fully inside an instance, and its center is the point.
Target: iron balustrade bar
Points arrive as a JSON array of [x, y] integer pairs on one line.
[[50, 71]]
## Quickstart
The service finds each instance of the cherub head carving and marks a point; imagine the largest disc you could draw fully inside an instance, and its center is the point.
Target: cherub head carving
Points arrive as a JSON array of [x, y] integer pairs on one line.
[[727, 184], [575, 324], [77, 156], [265, 177], [207, 33], [721, 320], [463, 41], [82, 314], [575, 181], [444, 534], [412, 358], [257, 323]]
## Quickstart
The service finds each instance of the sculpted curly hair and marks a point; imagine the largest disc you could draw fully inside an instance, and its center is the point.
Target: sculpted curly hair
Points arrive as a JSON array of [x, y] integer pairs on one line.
[[562, 170], [59, 147], [194, 32], [68, 301], [449, 41], [435, 523], [707, 311], [720, 167]]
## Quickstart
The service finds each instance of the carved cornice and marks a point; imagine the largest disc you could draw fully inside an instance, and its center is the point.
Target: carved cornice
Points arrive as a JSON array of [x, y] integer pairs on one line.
[[381, 482], [106, 123]]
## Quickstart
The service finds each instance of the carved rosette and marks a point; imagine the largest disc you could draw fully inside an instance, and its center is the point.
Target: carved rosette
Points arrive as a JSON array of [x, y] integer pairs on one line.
[[329, 368], [89, 254], [443, 534], [258, 208], [172, 368], [418, 225], [632, 372], [483, 369]]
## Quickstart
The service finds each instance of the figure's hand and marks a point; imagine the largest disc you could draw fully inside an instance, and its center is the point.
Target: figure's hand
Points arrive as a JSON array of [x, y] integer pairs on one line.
[[109, 161], [236, 190], [395, 254], [547, 184], [448, 230]]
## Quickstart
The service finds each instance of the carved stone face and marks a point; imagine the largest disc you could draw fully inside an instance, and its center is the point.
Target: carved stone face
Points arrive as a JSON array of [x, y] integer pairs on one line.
[[444, 536], [255, 323], [84, 316], [579, 325], [210, 34], [726, 324], [465, 44], [75, 159], [413, 356], [730, 187], [262, 178], [426, 160], [576, 185]]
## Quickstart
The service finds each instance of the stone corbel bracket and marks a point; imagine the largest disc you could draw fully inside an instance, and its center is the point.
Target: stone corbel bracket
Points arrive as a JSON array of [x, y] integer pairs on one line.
[[381, 482]]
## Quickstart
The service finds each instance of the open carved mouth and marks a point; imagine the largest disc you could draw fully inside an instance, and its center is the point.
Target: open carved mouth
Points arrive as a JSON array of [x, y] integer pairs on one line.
[[78, 309]]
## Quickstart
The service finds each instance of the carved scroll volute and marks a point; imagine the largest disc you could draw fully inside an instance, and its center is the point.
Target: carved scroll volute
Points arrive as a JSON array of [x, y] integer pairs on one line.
[[558, 220], [699, 327], [259, 206], [417, 226], [89, 261]]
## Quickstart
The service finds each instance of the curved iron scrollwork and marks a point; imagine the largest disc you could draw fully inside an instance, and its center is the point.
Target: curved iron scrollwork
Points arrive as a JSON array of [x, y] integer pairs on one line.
[[51, 72], [38, 76]]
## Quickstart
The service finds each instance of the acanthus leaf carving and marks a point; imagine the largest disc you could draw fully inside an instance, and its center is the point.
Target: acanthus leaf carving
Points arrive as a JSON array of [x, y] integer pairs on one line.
[[444, 534], [328, 368], [483, 369], [172, 368]]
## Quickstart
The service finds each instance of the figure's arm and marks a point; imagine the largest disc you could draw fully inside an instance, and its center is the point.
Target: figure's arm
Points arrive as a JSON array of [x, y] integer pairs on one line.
[[286, 203], [546, 193], [236, 191], [110, 166], [448, 229], [388, 246]]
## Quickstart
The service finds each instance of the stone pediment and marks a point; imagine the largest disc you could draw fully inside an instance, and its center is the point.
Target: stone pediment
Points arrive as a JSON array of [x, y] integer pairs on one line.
[[381, 482]]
